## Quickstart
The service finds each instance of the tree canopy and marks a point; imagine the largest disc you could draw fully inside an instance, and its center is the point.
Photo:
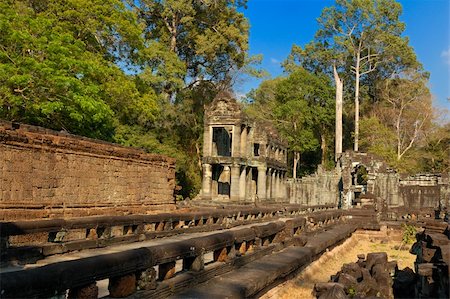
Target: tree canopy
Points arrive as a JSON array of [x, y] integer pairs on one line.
[[140, 73], [301, 107]]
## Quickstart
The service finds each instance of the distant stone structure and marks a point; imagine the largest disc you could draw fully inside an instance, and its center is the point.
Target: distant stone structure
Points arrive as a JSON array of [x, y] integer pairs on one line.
[[364, 173], [243, 161], [320, 188], [49, 174]]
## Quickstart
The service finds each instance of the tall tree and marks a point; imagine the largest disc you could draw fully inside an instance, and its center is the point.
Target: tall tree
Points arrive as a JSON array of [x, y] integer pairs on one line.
[[301, 107], [361, 37], [57, 65], [210, 38], [400, 120], [409, 110]]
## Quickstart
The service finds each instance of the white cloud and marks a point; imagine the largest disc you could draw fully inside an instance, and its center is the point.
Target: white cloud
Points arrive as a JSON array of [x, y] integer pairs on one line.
[[446, 55], [274, 61]]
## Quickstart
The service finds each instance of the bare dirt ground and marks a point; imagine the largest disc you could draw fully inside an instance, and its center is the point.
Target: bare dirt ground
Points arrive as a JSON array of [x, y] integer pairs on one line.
[[331, 262]]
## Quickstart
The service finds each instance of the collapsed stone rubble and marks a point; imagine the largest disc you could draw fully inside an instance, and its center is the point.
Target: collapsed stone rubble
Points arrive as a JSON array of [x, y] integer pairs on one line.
[[433, 261], [374, 276], [370, 276]]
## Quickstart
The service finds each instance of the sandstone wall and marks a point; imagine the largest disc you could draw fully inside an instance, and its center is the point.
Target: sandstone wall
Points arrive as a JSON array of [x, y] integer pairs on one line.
[[318, 189], [44, 173], [425, 191]]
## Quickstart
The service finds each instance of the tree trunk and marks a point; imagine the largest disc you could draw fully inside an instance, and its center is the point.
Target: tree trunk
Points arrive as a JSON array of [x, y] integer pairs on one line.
[[339, 95], [174, 33], [357, 101], [323, 147], [296, 160]]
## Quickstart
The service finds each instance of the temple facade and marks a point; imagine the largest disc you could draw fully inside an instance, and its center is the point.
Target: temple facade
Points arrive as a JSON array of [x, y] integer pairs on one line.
[[243, 160]]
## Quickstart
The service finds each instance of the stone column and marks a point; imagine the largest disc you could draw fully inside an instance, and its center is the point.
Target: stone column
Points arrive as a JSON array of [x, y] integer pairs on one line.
[[268, 181], [283, 187], [273, 192], [261, 183], [206, 183], [236, 151], [207, 141], [248, 184], [277, 186], [234, 183], [242, 183], [244, 142]]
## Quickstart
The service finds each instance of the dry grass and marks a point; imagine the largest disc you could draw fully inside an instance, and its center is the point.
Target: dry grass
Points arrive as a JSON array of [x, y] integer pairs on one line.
[[331, 262]]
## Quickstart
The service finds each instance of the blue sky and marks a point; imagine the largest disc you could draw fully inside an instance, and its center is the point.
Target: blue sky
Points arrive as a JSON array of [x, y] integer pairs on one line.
[[278, 24]]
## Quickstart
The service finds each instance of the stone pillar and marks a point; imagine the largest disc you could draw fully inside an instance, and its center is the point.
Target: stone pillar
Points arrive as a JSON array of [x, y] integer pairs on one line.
[[206, 183], [236, 151], [274, 185], [123, 286], [278, 185], [248, 184], [262, 183], [87, 291], [207, 141], [284, 187], [281, 183], [166, 271], [234, 182], [244, 142], [242, 183], [273, 193], [268, 180]]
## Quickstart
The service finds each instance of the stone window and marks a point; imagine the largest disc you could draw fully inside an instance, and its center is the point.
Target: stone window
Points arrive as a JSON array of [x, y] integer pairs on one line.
[[221, 180], [222, 140], [256, 149]]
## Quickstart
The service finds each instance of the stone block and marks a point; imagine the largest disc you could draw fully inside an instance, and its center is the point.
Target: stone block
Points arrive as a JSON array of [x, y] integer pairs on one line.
[[120, 287], [196, 263], [86, 292], [166, 270], [147, 280], [221, 255]]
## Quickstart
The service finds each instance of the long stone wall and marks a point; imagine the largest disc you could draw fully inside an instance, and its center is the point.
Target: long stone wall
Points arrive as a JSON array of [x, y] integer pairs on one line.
[[425, 191], [321, 188], [44, 174], [389, 189]]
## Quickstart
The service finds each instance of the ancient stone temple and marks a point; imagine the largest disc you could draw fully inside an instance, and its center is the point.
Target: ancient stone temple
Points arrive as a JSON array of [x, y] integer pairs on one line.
[[243, 160]]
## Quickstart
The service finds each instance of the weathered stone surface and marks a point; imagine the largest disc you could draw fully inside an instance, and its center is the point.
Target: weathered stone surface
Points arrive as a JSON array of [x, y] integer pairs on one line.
[[147, 280], [196, 263], [321, 287], [367, 278], [86, 292], [404, 284], [123, 286], [353, 270], [375, 258], [49, 174], [166, 270], [335, 292], [348, 281]]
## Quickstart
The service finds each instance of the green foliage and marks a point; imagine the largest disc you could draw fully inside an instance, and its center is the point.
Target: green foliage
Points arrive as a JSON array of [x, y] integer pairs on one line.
[[435, 154], [300, 106], [409, 233], [351, 291], [208, 38], [402, 127], [135, 72], [56, 66]]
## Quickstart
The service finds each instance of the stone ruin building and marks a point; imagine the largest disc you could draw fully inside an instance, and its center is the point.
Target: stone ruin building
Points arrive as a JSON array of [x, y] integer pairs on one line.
[[243, 161]]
